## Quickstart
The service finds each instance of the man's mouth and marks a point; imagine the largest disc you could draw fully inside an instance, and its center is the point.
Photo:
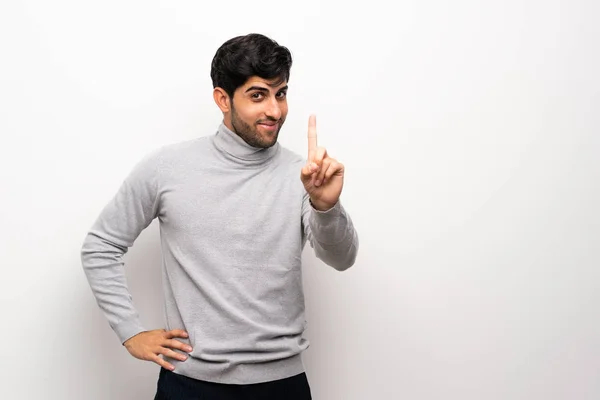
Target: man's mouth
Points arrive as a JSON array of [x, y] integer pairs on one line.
[[269, 125]]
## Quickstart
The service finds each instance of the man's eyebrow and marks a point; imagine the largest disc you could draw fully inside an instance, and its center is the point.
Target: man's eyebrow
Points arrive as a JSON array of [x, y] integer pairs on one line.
[[259, 88], [263, 89]]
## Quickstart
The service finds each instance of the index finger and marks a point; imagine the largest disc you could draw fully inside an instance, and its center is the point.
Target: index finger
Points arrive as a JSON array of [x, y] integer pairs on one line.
[[176, 333], [312, 136]]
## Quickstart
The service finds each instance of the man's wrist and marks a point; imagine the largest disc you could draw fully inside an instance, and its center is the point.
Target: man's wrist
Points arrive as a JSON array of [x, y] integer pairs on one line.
[[321, 206]]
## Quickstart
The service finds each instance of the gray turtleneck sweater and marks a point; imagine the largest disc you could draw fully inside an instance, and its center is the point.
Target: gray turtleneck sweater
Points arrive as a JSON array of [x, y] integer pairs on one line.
[[233, 222]]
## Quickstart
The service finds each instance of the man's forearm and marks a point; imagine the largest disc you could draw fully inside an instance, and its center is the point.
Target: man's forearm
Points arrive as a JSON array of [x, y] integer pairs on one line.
[[334, 238], [104, 269]]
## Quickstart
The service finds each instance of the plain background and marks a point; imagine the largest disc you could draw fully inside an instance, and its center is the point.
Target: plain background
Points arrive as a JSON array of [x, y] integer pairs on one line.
[[471, 135]]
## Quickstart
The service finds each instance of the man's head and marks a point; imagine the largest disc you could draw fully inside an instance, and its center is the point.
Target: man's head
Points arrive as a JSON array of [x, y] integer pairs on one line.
[[250, 75]]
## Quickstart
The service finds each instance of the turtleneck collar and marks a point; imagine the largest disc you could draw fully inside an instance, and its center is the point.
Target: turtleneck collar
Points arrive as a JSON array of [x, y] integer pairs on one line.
[[234, 147]]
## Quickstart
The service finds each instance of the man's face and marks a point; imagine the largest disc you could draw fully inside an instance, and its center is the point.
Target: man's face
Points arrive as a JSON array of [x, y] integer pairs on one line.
[[258, 110]]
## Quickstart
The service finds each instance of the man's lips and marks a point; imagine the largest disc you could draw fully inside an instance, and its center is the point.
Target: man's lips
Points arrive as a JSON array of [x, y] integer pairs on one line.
[[269, 125]]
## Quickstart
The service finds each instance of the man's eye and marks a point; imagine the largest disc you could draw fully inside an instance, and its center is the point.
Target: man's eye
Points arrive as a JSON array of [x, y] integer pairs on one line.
[[281, 94], [256, 96]]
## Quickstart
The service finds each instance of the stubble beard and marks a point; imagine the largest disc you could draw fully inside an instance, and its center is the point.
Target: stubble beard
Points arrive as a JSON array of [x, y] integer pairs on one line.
[[250, 134]]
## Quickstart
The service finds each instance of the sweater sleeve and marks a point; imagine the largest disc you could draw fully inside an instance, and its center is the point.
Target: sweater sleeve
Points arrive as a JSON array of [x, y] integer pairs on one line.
[[331, 234], [130, 211]]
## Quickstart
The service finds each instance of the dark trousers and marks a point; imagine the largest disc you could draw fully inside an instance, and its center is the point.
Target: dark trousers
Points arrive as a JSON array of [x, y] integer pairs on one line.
[[172, 386]]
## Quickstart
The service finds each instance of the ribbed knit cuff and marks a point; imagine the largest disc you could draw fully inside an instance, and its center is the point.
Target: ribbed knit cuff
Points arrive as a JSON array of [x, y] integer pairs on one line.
[[128, 329]]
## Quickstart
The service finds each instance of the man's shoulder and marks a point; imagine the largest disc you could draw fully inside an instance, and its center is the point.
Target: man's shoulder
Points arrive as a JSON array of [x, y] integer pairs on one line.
[[177, 150], [167, 156], [183, 146]]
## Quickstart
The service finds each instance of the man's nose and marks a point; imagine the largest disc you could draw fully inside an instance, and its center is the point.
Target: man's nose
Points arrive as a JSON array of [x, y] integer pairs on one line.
[[273, 110]]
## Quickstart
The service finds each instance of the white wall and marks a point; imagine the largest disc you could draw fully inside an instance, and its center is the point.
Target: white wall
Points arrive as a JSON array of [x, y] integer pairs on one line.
[[470, 131]]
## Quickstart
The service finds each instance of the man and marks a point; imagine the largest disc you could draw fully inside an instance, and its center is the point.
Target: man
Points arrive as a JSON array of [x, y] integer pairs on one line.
[[234, 218]]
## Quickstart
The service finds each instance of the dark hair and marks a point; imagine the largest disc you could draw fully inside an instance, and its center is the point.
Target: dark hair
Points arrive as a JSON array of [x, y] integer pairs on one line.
[[242, 57]]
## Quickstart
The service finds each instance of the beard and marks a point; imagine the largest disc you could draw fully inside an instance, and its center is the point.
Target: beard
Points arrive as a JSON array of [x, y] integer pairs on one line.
[[250, 134]]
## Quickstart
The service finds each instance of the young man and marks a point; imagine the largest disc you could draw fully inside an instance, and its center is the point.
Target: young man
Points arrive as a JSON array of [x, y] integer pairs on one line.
[[235, 211]]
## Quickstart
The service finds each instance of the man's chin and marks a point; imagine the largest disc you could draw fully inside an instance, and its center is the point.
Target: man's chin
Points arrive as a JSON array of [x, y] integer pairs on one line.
[[265, 144], [268, 139]]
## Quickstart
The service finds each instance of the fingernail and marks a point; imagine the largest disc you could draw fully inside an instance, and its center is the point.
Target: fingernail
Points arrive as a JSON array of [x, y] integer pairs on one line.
[[318, 183], [188, 349]]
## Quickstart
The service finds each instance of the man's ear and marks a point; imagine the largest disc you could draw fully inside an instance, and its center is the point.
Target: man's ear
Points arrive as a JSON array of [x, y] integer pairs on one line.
[[222, 99]]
